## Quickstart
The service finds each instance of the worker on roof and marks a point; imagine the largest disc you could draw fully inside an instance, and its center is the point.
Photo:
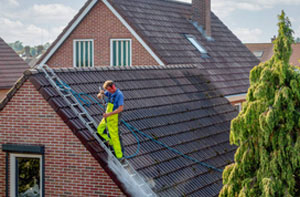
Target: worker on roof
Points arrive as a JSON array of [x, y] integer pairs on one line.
[[112, 115]]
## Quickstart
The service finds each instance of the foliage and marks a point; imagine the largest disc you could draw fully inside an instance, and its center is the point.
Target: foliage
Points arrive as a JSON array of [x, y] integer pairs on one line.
[[29, 169], [267, 130], [33, 51], [16, 46]]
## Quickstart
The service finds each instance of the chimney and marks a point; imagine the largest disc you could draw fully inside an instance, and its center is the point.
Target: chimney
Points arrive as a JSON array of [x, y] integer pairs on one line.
[[201, 14]]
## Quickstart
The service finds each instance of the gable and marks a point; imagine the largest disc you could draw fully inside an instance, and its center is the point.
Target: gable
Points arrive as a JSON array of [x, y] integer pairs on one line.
[[161, 26], [100, 25], [70, 169], [267, 49]]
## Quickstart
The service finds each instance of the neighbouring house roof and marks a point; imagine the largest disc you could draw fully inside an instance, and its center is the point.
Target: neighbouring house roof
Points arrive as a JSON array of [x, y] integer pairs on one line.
[[267, 49], [163, 25], [263, 51], [175, 104], [11, 66]]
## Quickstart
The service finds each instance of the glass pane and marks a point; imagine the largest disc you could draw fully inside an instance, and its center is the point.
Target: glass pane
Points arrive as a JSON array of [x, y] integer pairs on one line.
[[258, 53], [81, 54], [87, 54], [91, 54], [197, 45], [238, 107], [128, 52], [124, 53], [119, 52], [114, 53], [28, 177], [77, 54]]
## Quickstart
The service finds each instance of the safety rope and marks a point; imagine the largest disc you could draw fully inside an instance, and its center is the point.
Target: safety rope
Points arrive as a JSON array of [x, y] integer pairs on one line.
[[131, 128]]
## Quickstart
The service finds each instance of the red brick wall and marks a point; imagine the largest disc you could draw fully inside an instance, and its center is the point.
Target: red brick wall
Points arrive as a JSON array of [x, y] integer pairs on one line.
[[101, 25], [70, 170]]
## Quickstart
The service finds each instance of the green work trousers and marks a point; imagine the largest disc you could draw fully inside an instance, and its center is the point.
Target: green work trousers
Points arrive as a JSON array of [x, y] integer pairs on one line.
[[112, 124]]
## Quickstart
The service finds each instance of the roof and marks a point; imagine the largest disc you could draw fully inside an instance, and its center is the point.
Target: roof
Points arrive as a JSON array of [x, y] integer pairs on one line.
[[267, 49], [11, 66], [162, 25], [174, 104]]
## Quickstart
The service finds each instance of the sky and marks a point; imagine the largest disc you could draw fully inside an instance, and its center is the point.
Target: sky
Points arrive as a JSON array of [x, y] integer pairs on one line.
[[35, 22]]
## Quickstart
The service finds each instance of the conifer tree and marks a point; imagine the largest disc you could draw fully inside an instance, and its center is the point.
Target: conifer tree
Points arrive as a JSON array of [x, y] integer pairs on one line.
[[267, 130]]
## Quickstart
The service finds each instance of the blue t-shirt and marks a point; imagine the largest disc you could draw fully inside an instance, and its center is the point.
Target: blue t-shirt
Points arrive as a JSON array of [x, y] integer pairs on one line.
[[116, 98]]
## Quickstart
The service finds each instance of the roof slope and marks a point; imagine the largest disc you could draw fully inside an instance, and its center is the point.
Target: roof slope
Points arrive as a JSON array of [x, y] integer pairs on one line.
[[163, 24], [267, 49], [11, 66], [174, 104]]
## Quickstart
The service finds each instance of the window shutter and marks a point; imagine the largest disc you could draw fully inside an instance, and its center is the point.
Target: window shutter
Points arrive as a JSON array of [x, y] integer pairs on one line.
[[121, 52], [84, 53]]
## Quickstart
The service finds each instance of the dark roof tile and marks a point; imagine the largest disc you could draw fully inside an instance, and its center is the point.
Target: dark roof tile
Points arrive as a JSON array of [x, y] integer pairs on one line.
[[177, 105], [11, 66], [162, 23]]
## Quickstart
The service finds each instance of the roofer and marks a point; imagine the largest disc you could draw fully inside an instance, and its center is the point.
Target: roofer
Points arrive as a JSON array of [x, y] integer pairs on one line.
[[112, 115]]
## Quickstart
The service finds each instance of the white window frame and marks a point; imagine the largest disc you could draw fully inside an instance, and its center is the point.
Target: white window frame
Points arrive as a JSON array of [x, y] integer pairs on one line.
[[239, 106], [12, 170], [258, 54], [74, 51], [111, 49]]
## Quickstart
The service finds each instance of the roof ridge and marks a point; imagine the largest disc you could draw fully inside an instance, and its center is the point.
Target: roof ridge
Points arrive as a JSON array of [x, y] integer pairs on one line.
[[175, 2], [179, 2], [115, 68]]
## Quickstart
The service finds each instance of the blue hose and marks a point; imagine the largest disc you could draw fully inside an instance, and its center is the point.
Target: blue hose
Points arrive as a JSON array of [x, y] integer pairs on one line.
[[132, 129]]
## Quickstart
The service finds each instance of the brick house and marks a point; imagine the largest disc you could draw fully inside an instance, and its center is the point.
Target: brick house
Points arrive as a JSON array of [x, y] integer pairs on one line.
[[264, 52], [11, 67], [176, 105], [156, 32]]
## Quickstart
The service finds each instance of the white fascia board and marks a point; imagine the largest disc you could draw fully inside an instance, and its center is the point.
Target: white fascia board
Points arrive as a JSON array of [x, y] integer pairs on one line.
[[236, 97], [158, 60], [69, 31]]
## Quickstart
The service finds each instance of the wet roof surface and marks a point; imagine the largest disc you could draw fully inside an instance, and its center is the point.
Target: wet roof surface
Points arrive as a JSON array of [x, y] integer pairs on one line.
[[175, 105], [164, 24]]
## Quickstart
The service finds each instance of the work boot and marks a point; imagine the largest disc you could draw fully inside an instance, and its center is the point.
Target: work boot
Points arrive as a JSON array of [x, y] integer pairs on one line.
[[122, 160], [106, 143], [109, 146]]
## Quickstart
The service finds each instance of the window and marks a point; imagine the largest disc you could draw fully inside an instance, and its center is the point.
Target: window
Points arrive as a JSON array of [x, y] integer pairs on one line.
[[120, 52], [258, 54], [238, 106], [83, 53], [197, 45], [24, 170], [25, 175]]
